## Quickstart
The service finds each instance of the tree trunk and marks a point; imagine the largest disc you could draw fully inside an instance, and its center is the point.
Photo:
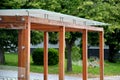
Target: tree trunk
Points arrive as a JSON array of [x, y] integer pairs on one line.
[[2, 56], [69, 59], [112, 53]]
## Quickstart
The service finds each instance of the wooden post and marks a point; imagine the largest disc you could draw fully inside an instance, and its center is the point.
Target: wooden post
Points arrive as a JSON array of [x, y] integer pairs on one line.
[[61, 52], [101, 54], [24, 52], [21, 59], [84, 53], [45, 55]]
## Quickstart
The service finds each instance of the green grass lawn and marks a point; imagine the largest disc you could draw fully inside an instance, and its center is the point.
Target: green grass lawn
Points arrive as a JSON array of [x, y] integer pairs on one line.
[[110, 68]]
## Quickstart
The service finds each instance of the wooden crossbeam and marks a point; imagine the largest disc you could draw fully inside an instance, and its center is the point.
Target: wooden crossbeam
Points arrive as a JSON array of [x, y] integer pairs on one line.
[[6, 25], [18, 22], [42, 27], [13, 22], [66, 24]]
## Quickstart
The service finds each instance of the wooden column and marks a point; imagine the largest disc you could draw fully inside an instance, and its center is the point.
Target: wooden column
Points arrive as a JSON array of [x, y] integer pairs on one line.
[[101, 54], [24, 52], [84, 53], [61, 52], [45, 55]]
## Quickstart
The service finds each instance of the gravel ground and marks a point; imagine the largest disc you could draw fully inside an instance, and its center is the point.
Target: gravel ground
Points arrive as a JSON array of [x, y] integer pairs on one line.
[[12, 75]]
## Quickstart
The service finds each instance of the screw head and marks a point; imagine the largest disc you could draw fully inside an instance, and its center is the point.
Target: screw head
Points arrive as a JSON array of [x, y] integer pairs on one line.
[[22, 76], [0, 19], [23, 19], [23, 47]]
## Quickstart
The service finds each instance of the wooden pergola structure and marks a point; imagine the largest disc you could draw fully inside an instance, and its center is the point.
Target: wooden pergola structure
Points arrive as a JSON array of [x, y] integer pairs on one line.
[[25, 20]]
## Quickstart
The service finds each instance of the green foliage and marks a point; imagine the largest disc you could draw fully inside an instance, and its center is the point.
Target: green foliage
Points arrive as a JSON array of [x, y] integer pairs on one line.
[[36, 37], [53, 37], [76, 56], [93, 36], [37, 56], [114, 44], [11, 4], [8, 39], [52, 57]]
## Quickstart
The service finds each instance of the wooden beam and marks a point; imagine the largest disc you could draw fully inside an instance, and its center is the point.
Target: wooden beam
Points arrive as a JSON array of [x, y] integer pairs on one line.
[[61, 52], [12, 25], [27, 48], [46, 21], [101, 54], [42, 27], [12, 19], [45, 55], [12, 22], [84, 53], [66, 24], [21, 59], [24, 52], [50, 28], [93, 29], [17, 22], [67, 29]]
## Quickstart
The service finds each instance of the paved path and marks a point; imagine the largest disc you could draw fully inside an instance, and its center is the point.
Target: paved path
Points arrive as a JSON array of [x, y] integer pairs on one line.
[[9, 74], [33, 76]]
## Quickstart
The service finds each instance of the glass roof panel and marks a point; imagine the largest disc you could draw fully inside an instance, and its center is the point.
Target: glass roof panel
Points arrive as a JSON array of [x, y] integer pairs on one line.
[[51, 16]]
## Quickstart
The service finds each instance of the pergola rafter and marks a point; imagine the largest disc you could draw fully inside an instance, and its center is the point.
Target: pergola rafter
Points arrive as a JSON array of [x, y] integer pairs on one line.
[[36, 19]]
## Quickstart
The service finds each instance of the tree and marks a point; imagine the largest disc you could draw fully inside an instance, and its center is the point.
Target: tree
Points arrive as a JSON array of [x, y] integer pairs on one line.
[[70, 39], [106, 11], [66, 7], [70, 36], [9, 38], [100, 10], [113, 32], [7, 42], [111, 15], [114, 44]]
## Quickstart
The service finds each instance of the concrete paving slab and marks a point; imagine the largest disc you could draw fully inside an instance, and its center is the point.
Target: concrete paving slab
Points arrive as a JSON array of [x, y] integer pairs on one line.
[[12, 75]]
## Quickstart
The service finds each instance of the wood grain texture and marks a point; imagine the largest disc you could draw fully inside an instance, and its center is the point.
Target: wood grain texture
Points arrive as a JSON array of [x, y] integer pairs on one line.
[[85, 54], [45, 55], [61, 53], [101, 54], [24, 53]]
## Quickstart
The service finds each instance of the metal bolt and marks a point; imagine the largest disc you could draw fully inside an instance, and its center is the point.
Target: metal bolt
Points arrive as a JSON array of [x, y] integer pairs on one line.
[[22, 76], [74, 21], [46, 16], [23, 19], [0, 19], [85, 23], [23, 47], [17, 14], [61, 19]]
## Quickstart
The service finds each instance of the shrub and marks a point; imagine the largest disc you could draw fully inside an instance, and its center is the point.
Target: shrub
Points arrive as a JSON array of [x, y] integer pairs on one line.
[[37, 56]]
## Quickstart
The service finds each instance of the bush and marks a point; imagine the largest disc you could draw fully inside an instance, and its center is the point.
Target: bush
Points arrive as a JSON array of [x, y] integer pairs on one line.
[[37, 56]]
